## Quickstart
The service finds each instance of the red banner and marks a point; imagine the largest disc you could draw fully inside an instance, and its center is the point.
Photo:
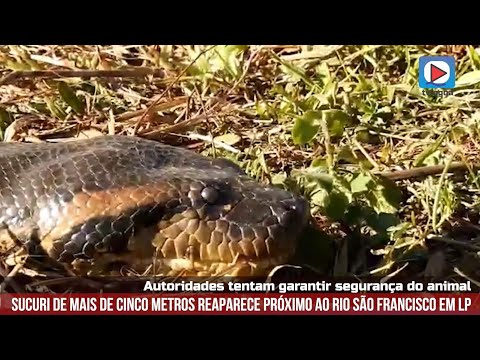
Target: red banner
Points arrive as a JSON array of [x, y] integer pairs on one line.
[[235, 304]]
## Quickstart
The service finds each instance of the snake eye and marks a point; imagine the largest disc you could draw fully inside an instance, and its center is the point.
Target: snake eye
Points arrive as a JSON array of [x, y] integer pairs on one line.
[[210, 195]]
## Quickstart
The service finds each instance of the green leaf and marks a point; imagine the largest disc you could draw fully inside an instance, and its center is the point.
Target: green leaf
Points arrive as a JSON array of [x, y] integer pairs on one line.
[[390, 93], [382, 221], [69, 96], [396, 232], [324, 180], [385, 197], [296, 73], [433, 158], [320, 198], [17, 66], [474, 57], [320, 162], [323, 72], [468, 79], [315, 176], [55, 110], [336, 121], [346, 154], [363, 84], [360, 183], [419, 161], [263, 109], [306, 127], [5, 118], [279, 179], [362, 135], [337, 205], [229, 56]]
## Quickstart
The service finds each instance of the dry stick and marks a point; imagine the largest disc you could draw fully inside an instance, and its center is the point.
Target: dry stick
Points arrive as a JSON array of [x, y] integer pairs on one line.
[[214, 141], [176, 127], [159, 107], [365, 153], [54, 74], [456, 166], [465, 276], [318, 55], [455, 242], [149, 109]]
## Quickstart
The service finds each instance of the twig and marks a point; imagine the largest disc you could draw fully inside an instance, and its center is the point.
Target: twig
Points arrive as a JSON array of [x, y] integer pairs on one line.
[[252, 57], [318, 55], [179, 126], [175, 127], [217, 143], [465, 276], [404, 138], [365, 50], [54, 74], [202, 104], [426, 171], [391, 275], [149, 109], [159, 107], [380, 269], [365, 153], [455, 242]]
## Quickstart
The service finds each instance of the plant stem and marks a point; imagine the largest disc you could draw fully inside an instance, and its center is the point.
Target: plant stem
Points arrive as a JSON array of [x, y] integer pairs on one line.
[[328, 146], [437, 195]]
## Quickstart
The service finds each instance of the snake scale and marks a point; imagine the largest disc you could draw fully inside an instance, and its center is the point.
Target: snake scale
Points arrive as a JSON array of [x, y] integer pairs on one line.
[[110, 202]]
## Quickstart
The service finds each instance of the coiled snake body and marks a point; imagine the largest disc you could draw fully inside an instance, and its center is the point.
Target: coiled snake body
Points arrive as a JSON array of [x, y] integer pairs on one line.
[[115, 200]]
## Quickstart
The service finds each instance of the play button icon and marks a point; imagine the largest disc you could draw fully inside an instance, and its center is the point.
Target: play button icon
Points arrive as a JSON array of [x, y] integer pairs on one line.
[[437, 72]]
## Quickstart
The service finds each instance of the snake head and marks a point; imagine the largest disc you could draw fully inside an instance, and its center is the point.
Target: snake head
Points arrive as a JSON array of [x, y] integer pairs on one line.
[[224, 213]]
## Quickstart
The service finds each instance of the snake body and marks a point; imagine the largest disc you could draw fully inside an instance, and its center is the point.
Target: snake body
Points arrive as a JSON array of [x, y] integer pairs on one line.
[[120, 201]]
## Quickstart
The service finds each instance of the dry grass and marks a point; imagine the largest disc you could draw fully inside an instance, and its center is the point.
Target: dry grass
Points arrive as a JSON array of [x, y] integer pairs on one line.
[[318, 119]]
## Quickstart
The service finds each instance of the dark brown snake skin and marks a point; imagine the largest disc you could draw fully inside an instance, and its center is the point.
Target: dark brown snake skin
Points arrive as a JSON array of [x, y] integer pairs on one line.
[[117, 201]]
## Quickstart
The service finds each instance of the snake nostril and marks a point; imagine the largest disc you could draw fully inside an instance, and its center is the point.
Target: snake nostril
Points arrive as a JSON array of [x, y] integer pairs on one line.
[[210, 195], [287, 218]]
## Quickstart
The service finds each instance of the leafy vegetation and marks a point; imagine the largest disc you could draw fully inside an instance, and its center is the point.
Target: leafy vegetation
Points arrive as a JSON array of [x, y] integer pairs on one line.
[[322, 120]]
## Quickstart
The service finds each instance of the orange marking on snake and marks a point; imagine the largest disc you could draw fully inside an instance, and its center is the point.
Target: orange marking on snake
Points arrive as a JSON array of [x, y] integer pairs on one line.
[[110, 203]]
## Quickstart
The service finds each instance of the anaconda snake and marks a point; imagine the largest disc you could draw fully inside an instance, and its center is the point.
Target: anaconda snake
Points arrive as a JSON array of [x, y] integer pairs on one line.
[[96, 204]]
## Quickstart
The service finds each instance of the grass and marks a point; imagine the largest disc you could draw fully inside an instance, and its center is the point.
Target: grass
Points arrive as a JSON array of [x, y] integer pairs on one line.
[[322, 120]]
